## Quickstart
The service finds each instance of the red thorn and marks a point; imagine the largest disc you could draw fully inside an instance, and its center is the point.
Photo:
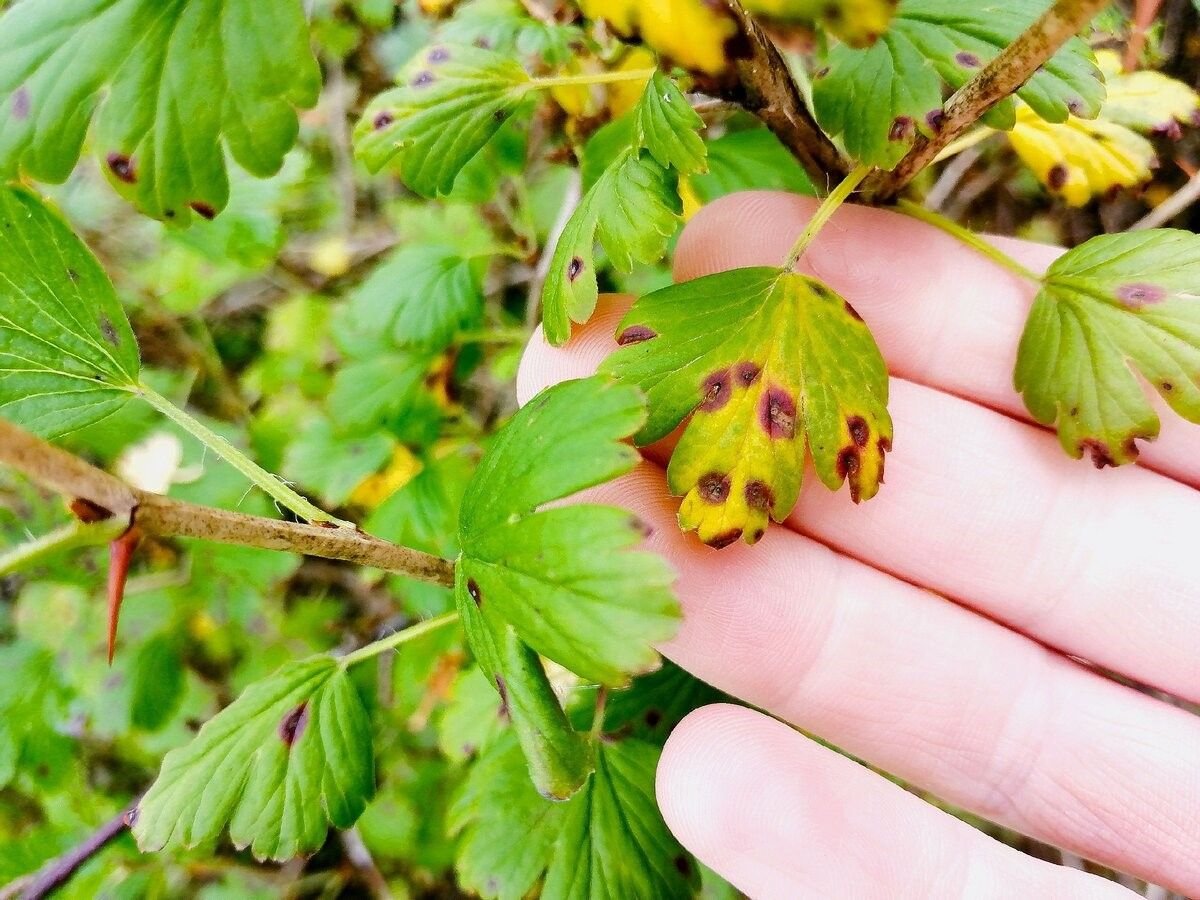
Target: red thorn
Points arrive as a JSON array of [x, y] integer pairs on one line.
[[120, 553]]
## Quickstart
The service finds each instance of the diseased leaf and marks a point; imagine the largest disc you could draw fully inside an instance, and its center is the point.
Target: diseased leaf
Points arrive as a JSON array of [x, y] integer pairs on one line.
[[290, 756], [690, 32], [68, 357], [609, 840], [333, 463], [769, 364], [1145, 100], [450, 101], [752, 159], [878, 99], [667, 126], [651, 707], [632, 211], [1116, 304], [857, 22], [168, 83]]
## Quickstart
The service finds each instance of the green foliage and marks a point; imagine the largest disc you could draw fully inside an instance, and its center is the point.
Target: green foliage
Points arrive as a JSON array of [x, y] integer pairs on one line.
[[750, 159], [67, 355], [291, 755], [769, 365], [879, 99], [158, 682], [179, 78], [1116, 303]]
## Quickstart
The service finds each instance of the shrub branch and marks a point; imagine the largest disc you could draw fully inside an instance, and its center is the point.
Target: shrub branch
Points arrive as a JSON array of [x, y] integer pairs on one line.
[[106, 496]]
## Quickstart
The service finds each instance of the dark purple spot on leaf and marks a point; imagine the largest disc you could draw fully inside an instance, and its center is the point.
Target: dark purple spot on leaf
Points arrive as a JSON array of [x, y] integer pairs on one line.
[[1074, 106], [20, 104], [759, 495], [777, 413], [713, 487], [724, 539], [966, 59], [421, 79], [903, 129], [1167, 386], [715, 390], [1139, 294], [382, 120], [757, 535], [293, 724], [683, 865], [473, 590], [653, 718], [859, 430], [122, 167], [574, 268], [1101, 455], [1057, 176], [106, 329], [935, 119], [847, 462], [635, 334], [202, 209], [483, 43], [438, 55], [747, 373], [169, 213]]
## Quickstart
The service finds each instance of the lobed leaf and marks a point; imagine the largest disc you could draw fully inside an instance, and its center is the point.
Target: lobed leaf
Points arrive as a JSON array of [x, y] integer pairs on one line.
[[691, 32], [290, 756], [857, 22], [1145, 100], [667, 126], [878, 99], [68, 357], [1116, 305], [450, 101], [167, 82], [768, 364]]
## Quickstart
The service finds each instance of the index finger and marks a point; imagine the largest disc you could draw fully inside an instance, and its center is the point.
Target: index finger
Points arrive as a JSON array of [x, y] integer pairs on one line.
[[943, 315]]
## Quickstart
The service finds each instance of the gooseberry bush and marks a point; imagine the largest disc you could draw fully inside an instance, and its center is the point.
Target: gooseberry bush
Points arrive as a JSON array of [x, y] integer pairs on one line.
[[266, 269]]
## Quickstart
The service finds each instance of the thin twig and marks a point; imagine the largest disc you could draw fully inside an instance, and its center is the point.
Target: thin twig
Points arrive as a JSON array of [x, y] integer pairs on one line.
[[1171, 207], [1015, 65], [55, 873], [767, 89], [953, 172], [360, 857], [155, 514]]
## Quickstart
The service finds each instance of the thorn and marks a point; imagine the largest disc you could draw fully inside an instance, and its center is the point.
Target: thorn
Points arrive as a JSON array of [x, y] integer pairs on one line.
[[120, 552]]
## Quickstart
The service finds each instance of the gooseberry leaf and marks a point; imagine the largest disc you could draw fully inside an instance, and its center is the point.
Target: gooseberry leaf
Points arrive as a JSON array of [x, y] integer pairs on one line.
[[167, 83], [752, 159], [1116, 305], [68, 357], [607, 841], [667, 126], [451, 100], [1145, 100], [290, 756], [632, 209], [568, 579], [769, 364], [878, 99], [857, 22], [694, 35]]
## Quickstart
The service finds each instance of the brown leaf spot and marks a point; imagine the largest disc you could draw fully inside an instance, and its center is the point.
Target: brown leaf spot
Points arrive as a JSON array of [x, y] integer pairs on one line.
[[1140, 294], [293, 724], [777, 413], [935, 119], [502, 688], [747, 373], [106, 329], [122, 167], [903, 129], [713, 487], [847, 462], [653, 718], [821, 73], [202, 209], [720, 541], [715, 391], [635, 334], [1057, 176], [967, 59], [1074, 106], [859, 430], [20, 104], [1101, 455], [759, 495], [473, 590], [683, 865], [574, 268], [1167, 386], [757, 535], [421, 79], [382, 120]]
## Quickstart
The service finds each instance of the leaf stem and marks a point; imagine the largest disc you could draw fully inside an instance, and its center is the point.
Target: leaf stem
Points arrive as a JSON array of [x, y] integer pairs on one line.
[[968, 237], [74, 534], [598, 715], [827, 208], [590, 78], [273, 485], [392, 641]]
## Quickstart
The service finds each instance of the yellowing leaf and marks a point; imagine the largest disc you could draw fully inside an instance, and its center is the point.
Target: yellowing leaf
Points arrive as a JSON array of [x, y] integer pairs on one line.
[[374, 489], [1145, 101], [692, 33], [624, 95], [769, 364], [1081, 158], [858, 23]]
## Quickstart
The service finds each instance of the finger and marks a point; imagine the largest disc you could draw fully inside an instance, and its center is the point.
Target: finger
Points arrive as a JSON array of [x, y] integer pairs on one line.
[[989, 511], [793, 819], [943, 314], [979, 715]]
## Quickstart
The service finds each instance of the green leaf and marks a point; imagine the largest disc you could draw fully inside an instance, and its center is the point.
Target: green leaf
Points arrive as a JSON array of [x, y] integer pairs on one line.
[[632, 209], [68, 357], [878, 99], [166, 80], [157, 682], [651, 707], [289, 756], [423, 294], [452, 99], [567, 578], [333, 463], [607, 841], [472, 718], [752, 159], [768, 364], [369, 392], [1116, 304], [667, 126]]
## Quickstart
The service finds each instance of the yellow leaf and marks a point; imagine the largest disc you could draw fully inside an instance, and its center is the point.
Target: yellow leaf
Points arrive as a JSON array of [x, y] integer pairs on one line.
[[1080, 158], [857, 22], [330, 257], [692, 33], [624, 95], [374, 489], [1145, 101], [688, 197]]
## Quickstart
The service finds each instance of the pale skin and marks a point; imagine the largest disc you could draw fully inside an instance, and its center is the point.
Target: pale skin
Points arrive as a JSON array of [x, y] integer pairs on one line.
[[938, 631]]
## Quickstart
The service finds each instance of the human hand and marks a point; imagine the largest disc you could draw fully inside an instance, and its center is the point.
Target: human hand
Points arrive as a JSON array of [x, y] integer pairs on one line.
[[979, 695]]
